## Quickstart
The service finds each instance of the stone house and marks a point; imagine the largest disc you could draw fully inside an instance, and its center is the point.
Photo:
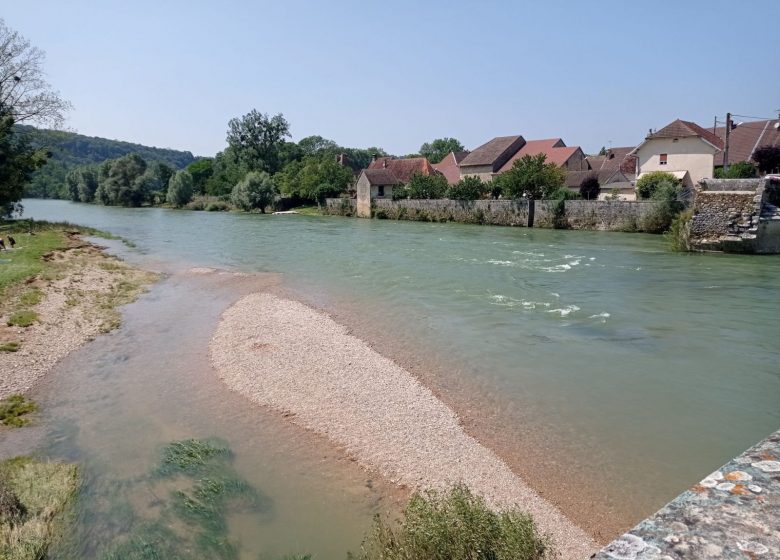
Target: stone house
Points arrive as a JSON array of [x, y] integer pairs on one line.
[[681, 148], [374, 184], [488, 159]]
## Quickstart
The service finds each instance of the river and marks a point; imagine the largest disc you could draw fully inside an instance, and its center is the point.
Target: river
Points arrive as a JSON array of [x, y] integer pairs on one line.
[[608, 371]]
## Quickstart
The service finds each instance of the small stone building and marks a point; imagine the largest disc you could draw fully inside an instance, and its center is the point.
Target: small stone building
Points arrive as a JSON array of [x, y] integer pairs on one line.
[[374, 184]]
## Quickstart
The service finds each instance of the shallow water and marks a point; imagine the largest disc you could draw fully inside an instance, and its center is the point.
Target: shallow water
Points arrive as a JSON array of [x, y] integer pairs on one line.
[[639, 369]]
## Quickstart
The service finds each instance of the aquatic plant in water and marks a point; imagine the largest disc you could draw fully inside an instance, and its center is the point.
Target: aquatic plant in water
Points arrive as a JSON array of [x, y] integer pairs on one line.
[[14, 410], [191, 456]]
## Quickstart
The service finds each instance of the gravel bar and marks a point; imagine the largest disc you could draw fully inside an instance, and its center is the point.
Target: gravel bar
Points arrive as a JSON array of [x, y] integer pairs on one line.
[[290, 357]]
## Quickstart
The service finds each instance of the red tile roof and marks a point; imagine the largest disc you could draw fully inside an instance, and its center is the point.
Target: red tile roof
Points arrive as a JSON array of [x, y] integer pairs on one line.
[[554, 149], [616, 159], [404, 168], [686, 129], [746, 138], [450, 166]]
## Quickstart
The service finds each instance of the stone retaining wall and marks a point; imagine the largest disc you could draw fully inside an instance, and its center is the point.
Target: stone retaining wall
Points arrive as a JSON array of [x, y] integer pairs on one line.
[[730, 184], [573, 214]]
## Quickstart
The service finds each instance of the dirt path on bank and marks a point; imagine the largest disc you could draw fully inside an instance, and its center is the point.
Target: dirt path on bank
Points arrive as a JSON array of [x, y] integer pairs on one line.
[[287, 356], [74, 300]]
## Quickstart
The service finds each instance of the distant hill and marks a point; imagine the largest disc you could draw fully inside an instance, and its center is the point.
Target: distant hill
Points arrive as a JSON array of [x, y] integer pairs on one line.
[[71, 150]]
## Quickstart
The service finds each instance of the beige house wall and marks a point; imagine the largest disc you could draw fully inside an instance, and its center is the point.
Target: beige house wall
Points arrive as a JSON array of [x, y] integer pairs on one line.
[[693, 155], [484, 172], [363, 197]]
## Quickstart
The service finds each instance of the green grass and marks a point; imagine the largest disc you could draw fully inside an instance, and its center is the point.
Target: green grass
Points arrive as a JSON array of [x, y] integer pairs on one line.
[[23, 318], [14, 410], [34, 495], [308, 210], [10, 346], [455, 526], [191, 456], [31, 297]]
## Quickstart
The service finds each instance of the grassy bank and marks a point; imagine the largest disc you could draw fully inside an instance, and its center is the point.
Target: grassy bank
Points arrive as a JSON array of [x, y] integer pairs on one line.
[[33, 496]]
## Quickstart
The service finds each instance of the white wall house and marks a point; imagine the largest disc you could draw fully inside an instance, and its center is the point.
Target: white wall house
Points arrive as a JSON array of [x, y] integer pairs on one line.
[[681, 148]]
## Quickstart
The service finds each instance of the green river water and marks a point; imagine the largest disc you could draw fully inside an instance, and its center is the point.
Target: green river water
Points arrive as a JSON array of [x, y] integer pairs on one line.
[[631, 371]]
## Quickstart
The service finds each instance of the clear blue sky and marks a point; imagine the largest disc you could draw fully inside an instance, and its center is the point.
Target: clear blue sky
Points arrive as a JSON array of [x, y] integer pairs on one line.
[[397, 74]]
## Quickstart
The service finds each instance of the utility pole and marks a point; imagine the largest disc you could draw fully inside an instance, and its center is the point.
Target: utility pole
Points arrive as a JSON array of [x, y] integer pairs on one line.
[[726, 148], [715, 124]]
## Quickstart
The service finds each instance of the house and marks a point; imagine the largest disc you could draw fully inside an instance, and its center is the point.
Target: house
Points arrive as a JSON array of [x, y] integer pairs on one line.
[[488, 159], [450, 166], [746, 138], [682, 148], [378, 182], [571, 158], [621, 159], [403, 168], [612, 181]]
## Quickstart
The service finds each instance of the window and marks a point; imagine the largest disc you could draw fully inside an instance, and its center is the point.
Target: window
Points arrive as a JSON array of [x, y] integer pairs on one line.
[[662, 159], [381, 191]]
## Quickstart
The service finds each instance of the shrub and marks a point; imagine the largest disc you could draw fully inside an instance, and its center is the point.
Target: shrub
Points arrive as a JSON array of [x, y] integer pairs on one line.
[[180, 189], [740, 170], [255, 190], [427, 186], [667, 195], [679, 233], [590, 187], [767, 158], [531, 176], [468, 188], [455, 526], [649, 183]]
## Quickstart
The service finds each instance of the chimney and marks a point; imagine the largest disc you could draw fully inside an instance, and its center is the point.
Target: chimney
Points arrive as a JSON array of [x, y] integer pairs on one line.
[[384, 163]]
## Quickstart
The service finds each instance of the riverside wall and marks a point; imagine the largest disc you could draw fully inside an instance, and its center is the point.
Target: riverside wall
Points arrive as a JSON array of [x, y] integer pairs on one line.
[[572, 214]]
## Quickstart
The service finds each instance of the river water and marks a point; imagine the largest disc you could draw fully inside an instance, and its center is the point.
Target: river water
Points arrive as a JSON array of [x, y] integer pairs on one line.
[[599, 364]]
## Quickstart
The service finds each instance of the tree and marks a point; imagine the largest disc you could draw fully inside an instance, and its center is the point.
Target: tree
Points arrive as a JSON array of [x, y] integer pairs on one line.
[[603, 151], [201, 171], [739, 170], [180, 188], [314, 145], [18, 161], [314, 178], [24, 92], [767, 158], [255, 138], [122, 182], [530, 176], [590, 187], [438, 149], [227, 171], [256, 190], [82, 182], [468, 188], [649, 183], [427, 186]]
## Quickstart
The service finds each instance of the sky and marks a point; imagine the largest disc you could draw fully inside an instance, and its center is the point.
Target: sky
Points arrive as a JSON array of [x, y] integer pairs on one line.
[[396, 74]]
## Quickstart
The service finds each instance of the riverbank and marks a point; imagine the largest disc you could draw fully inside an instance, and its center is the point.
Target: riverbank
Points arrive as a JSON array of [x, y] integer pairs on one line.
[[332, 383], [58, 292]]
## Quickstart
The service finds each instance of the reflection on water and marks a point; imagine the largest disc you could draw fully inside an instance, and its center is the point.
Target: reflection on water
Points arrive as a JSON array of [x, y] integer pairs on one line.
[[115, 407], [634, 367]]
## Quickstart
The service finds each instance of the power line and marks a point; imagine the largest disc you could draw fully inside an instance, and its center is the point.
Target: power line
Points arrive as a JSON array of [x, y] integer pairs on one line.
[[757, 118]]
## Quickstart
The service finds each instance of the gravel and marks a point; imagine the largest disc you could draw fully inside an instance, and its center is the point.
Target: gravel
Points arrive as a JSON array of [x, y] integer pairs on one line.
[[285, 355]]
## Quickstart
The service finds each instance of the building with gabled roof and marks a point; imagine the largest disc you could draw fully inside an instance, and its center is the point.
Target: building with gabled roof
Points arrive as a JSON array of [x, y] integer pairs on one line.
[[450, 166], [746, 138], [403, 168], [682, 148], [571, 158], [621, 159], [488, 159]]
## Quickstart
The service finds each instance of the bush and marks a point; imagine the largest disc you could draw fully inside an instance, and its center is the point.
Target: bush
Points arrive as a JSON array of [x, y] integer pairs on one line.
[[767, 158], [427, 186], [667, 194], [740, 170], [255, 190], [648, 184], [455, 526], [180, 189], [590, 187], [679, 233], [468, 188]]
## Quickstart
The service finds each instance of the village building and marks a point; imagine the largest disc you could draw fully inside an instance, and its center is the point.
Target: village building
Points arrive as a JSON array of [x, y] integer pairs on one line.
[[570, 158], [450, 166], [746, 138], [487, 160], [621, 159], [681, 148], [613, 183], [403, 168]]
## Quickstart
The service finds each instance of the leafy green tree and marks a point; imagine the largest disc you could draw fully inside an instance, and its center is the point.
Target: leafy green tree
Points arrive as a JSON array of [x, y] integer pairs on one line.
[[180, 189], [18, 161], [436, 150], [667, 195], [256, 138], [201, 171], [227, 171], [590, 187], [767, 158], [256, 190], [314, 178], [649, 183], [427, 186], [82, 182], [603, 151], [531, 176], [316, 145], [468, 188], [122, 182]]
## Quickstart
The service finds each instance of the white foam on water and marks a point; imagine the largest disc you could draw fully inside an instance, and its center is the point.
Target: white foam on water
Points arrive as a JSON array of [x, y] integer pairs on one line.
[[501, 263], [565, 311]]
